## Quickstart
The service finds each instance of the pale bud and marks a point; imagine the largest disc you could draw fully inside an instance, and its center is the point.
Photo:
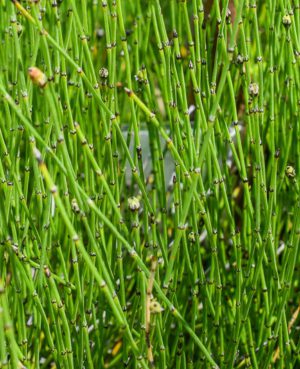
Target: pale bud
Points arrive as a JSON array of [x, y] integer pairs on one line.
[[37, 76]]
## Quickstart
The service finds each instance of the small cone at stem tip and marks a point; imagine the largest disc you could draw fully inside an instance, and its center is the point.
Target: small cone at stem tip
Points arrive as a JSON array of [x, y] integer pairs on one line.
[[37, 76], [133, 204], [286, 20], [290, 171], [103, 73], [253, 89], [155, 307]]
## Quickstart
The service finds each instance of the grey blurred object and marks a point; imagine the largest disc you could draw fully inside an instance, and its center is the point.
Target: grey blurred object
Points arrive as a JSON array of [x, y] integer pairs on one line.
[[146, 155]]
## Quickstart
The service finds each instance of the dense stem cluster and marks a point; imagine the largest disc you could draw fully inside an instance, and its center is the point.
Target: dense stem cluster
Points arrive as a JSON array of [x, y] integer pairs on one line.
[[149, 184]]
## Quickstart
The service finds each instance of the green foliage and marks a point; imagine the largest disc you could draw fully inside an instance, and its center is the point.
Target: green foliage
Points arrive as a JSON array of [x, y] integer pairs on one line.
[[149, 184]]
